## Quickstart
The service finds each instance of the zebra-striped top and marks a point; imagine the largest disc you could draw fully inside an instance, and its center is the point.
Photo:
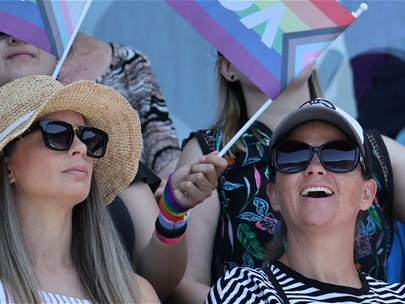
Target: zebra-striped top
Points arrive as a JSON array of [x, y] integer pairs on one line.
[[248, 285], [46, 297]]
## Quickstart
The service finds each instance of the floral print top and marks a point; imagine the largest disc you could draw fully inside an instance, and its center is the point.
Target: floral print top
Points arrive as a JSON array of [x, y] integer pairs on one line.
[[247, 222]]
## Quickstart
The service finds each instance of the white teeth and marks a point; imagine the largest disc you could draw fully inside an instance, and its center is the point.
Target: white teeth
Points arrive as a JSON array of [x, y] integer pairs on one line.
[[316, 189]]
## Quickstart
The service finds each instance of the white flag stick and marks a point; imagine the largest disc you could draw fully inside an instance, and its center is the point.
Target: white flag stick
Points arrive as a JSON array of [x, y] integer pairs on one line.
[[245, 127], [362, 8], [71, 39]]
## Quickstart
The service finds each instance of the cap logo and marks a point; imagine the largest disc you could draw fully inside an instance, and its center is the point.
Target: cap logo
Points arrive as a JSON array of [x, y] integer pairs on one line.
[[319, 102]]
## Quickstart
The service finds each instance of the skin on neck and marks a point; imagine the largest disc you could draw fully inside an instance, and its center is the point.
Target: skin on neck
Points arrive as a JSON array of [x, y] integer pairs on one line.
[[323, 258], [47, 232], [89, 59]]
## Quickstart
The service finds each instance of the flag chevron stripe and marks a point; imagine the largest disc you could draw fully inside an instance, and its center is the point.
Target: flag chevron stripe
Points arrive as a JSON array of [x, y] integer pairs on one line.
[[46, 24], [217, 34], [49, 25], [296, 44], [247, 38], [61, 21], [309, 14], [31, 30], [64, 14], [22, 10], [335, 12]]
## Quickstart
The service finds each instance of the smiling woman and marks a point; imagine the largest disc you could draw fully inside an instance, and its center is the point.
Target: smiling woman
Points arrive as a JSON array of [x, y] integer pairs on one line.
[[320, 182]]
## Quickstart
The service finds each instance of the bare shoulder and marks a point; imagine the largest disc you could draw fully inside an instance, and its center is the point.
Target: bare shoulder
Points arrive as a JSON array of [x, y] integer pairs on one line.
[[148, 293]]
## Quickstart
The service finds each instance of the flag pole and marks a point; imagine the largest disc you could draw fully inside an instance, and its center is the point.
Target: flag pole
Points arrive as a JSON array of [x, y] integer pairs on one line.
[[245, 127], [362, 8], [71, 39]]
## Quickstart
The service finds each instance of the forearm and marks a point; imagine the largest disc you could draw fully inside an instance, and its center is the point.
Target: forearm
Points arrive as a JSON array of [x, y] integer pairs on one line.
[[163, 265]]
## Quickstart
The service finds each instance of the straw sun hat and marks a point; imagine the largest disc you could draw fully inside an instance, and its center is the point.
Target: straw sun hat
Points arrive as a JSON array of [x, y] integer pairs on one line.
[[25, 99]]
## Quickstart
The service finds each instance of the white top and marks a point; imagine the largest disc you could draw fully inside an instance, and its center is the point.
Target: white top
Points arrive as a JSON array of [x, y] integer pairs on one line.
[[47, 297]]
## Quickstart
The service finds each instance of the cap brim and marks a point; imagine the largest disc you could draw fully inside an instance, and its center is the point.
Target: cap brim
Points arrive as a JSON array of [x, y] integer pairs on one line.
[[307, 114]]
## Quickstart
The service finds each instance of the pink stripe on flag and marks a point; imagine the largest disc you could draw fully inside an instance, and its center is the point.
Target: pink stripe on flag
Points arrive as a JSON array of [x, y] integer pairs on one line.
[[335, 11], [227, 45], [66, 16], [309, 57], [24, 30], [309, 13]]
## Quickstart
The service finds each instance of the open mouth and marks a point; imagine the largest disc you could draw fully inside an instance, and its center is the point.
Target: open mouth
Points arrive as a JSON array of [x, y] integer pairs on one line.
[[316, 192]]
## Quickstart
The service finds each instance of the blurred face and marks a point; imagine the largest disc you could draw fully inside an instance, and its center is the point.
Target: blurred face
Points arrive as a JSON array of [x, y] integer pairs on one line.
[[315, 196], [41, 174], [18, 59]]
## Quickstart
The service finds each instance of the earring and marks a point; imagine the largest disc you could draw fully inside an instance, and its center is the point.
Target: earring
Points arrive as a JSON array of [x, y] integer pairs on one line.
[[233, 77]]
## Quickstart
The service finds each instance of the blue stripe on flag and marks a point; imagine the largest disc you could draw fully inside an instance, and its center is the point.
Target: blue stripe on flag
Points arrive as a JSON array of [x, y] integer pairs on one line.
[[24, 10]]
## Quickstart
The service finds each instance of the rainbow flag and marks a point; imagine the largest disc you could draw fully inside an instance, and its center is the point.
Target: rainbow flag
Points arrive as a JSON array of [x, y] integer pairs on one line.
[[48, 24], [270, 41]]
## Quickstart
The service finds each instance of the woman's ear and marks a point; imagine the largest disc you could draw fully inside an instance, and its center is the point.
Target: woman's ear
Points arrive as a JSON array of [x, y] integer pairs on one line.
[[225, 67], [10, 173], [369, 191], [272, 194]]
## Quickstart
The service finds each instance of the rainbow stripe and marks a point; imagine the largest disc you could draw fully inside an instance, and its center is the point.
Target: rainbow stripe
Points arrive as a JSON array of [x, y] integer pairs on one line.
[[271, 41], [48, 24]]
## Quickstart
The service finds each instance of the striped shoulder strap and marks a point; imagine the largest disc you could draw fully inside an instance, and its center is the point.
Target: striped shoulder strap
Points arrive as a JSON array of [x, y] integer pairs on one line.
[[273, 280]]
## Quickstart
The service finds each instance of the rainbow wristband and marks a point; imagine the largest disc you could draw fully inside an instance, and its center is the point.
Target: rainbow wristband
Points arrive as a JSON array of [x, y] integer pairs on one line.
[[172, 220]]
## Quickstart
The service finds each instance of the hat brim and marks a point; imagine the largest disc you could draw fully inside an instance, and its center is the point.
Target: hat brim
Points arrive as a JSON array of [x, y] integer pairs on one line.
[[101, 106]]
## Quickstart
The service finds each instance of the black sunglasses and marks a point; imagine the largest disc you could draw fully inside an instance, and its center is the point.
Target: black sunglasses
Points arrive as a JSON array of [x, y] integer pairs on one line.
[[336, 156], [59, 135]]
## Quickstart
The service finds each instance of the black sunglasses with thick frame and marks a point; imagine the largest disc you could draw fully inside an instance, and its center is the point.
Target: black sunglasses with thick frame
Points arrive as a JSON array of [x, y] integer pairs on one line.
[[338, 156], [59, 135]]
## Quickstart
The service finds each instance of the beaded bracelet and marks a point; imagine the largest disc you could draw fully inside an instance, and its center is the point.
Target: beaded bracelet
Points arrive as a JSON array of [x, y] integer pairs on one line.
[[171, 223]]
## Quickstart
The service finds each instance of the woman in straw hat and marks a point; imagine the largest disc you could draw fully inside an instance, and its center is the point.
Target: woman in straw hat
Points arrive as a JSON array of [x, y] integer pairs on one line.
[[160, 259], [66, 151]]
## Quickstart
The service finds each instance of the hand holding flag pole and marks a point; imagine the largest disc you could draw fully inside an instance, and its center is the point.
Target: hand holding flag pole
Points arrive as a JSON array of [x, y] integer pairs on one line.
[[245, 127]]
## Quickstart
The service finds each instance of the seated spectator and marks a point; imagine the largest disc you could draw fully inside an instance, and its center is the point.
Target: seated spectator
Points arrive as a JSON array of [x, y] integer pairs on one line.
[[320, 181], [66, 151]]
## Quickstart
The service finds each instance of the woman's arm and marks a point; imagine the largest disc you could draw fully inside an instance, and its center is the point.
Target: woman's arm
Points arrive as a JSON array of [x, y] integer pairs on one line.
[[160, 263], [201, 228]]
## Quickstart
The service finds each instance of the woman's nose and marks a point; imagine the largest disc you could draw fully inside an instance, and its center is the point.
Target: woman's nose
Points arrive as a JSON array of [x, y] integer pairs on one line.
[[315, 166]]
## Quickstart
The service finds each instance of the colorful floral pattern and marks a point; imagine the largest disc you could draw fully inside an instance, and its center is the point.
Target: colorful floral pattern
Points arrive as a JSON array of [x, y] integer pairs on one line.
[[247, 221]]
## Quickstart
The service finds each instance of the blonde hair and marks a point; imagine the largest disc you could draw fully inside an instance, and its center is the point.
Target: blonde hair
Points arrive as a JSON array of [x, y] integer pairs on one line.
[[232, 112], [97, 252]]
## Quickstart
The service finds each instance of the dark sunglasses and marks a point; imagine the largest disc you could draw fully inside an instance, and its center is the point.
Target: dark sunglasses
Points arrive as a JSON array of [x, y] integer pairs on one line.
[[336, 156], [59, 135]]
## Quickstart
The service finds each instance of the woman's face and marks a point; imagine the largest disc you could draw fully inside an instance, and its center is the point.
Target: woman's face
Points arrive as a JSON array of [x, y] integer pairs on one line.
[[40, 174], [18, 59], [315, 196]]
